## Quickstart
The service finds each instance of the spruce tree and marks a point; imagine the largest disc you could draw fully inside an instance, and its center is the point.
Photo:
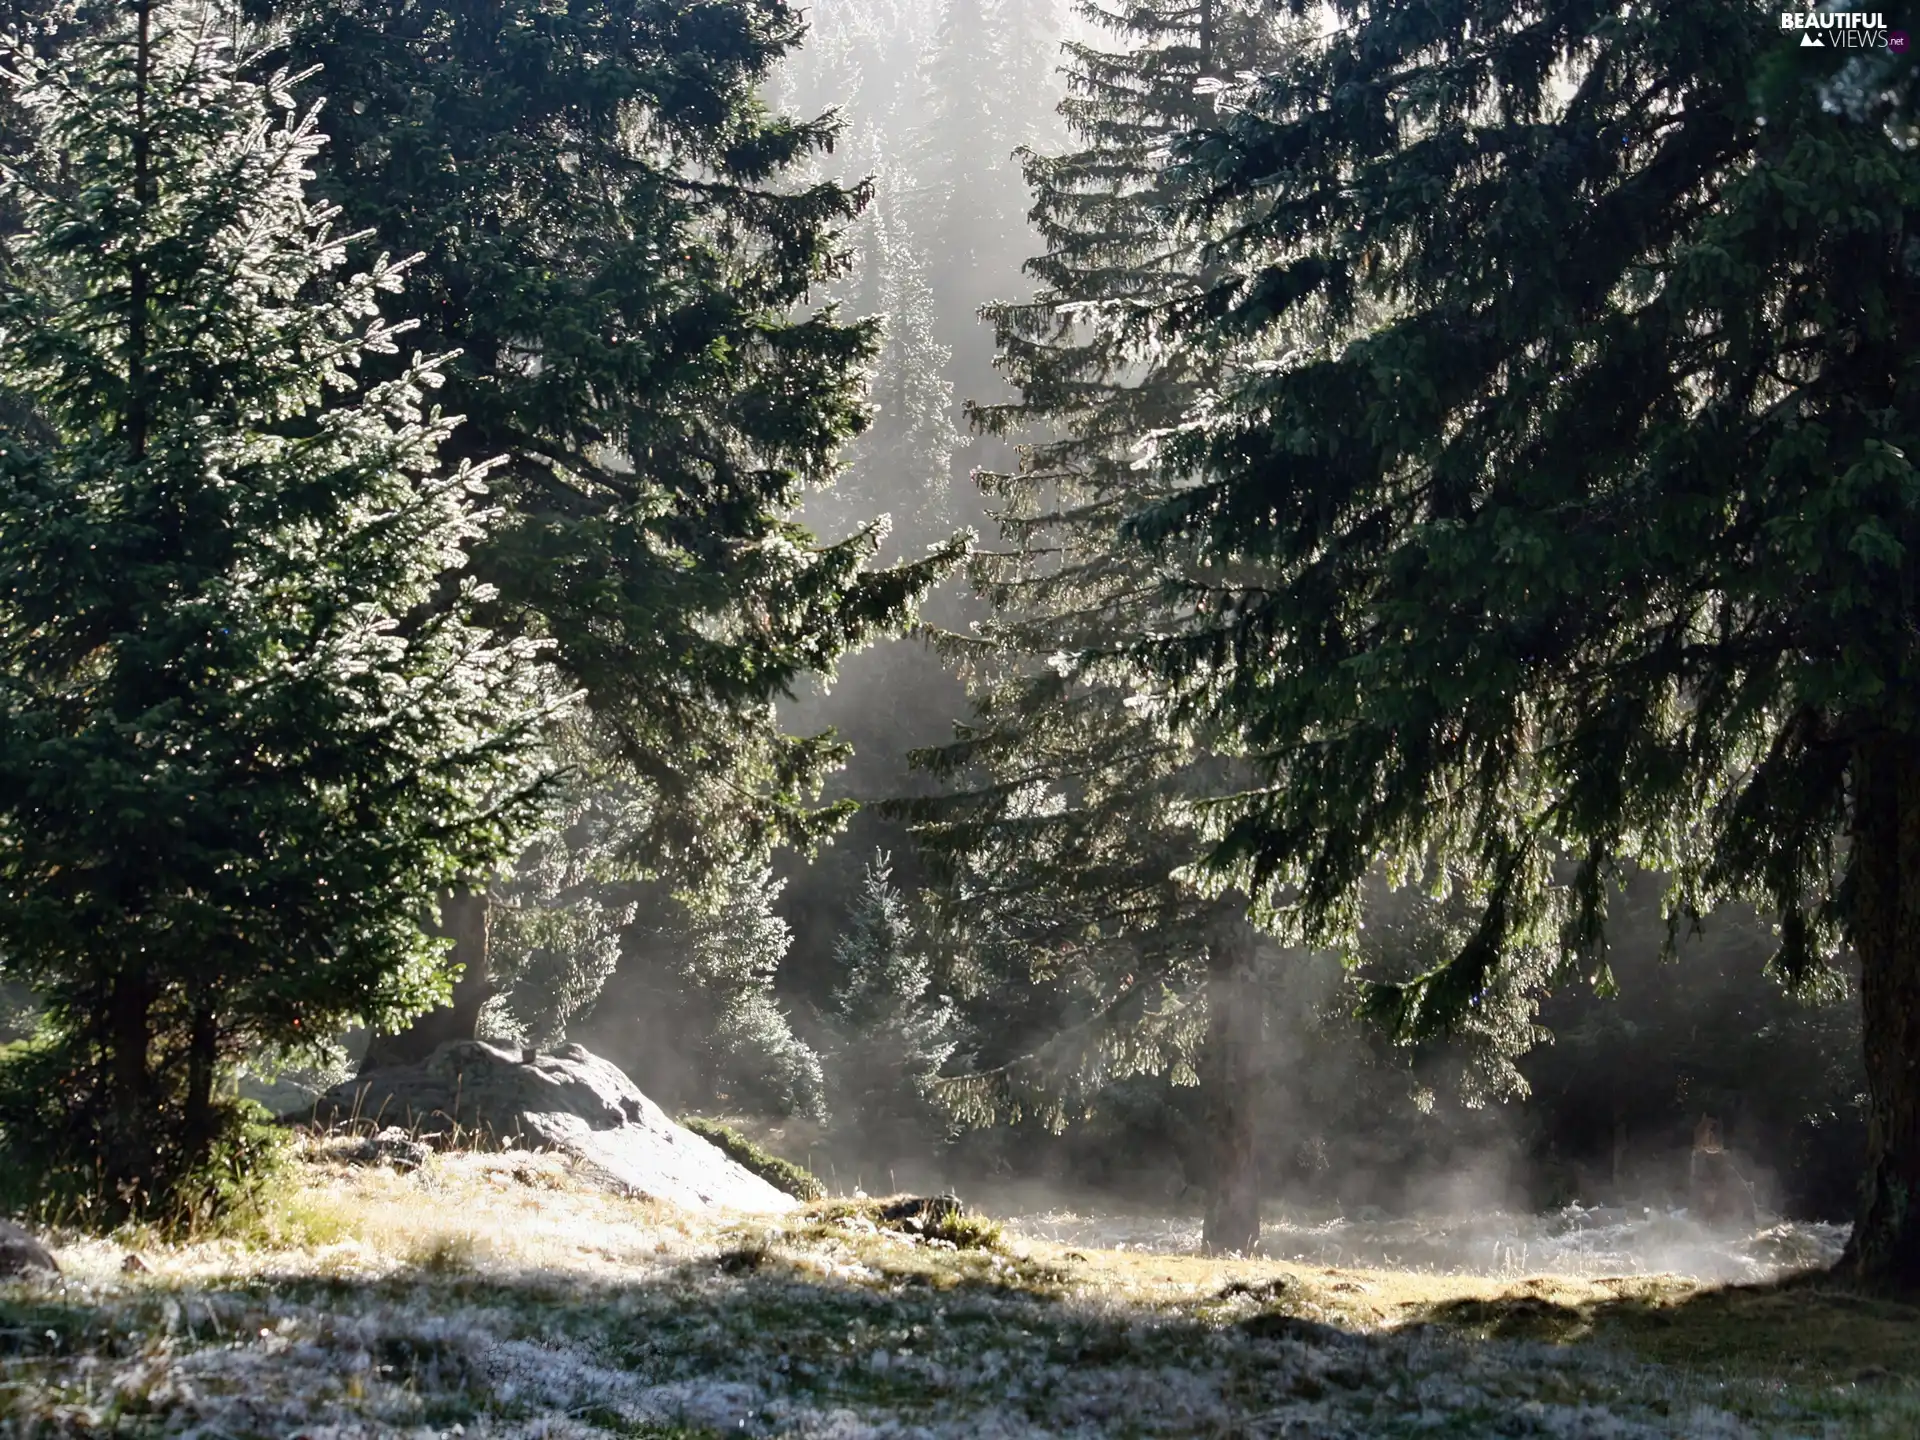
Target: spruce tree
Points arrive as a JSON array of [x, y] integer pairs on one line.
[[967, 200], [708, 1029], [1027, 37], [560, 915], [247, 729], [611, 242], [902, 466], [1063, 843], [956, 161], [892, 1036], [1576, 480]]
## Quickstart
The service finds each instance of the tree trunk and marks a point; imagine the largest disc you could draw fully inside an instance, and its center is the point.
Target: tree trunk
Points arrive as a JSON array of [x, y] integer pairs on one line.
[[1885, 930], [1233, 1048], [465, 917], [126, 1161], [203, 1046]]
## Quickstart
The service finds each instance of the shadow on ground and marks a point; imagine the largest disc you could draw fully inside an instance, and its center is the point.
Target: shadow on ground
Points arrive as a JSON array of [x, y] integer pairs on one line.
[[1809, 1329], [769, 1338]]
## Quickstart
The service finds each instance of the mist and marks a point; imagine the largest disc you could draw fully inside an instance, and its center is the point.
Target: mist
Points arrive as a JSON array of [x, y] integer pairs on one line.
[[1556, 1100]]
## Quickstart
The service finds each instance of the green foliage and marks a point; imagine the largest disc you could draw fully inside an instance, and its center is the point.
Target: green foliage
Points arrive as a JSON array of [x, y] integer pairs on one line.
[[964, 1231], [935, 1221], [247, 727], [1409, 933], [617, 240], [52, 1171], [19, 1012], [700, 982], [902, 465], [622, 245], [891, 1037], [560, 915], [1710, 1034], [1496, 554], [862, 59], [783, 1175], [1059, 848], [1565, 518]]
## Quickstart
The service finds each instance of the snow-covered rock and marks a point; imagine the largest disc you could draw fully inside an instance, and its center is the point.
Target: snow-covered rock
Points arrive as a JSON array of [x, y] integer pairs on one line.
[[570, 1100]]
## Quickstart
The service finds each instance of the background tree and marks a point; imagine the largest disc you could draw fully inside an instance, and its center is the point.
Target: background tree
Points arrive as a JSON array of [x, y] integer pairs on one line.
[[1062, 845], [561, 915], [610, 244], [1704, 1030], [902, 466], [699, 1024], [239, 748], [897, 69], [1595, 542], [891, 1036]]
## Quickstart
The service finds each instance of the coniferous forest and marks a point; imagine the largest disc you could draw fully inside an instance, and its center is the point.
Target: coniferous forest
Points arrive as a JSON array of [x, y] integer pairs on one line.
[[959, 717]]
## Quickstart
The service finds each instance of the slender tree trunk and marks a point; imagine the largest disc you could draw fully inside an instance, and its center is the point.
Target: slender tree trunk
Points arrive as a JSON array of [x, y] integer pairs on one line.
[[466, 917], [126, 1160], [1233, 1048], [1885, 925], [203, 1047]]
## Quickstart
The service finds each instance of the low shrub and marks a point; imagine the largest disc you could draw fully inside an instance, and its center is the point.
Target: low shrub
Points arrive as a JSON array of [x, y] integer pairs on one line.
[[939, 1218], [964, 1232], [783, 1175], [53, 1155]]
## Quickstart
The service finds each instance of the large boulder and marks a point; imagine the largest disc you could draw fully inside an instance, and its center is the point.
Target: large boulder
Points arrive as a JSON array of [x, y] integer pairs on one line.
[[21, 1254], [570, 1100]]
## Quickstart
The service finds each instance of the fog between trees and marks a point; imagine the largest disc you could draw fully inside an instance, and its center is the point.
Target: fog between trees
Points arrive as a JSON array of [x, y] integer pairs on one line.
[[1591, 1098], [1034, 952]]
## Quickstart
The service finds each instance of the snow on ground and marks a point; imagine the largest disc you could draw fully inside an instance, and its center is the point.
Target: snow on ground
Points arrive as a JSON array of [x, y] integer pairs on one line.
[[1574, 1241], [492, 1296]]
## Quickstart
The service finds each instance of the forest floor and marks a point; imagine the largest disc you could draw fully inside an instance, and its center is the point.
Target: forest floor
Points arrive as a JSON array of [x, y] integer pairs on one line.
[[498, 1295]]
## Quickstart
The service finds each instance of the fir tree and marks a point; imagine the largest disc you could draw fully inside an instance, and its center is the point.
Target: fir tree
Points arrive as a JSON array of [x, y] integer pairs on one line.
[[893, 1037], [612, 245], [1026, 43], [562, 912], [1063, 846], [957, 163], [241, 747], [714, 1034], [1593, 542], [902, 466]]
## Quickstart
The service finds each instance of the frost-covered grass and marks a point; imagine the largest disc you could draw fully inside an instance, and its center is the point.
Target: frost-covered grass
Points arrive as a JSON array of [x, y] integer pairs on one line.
[[502, 1296], [1487, 1240]]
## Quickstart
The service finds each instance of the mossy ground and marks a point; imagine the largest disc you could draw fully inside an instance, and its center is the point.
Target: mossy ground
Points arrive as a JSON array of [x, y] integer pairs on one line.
[[500, 1294]]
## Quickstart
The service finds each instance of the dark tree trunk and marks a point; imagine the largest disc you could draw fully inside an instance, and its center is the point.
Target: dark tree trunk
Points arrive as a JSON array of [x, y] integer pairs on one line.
[[1885, 926], [126, 1139], [203, 1054], [1232, 1080], [465, 917]]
